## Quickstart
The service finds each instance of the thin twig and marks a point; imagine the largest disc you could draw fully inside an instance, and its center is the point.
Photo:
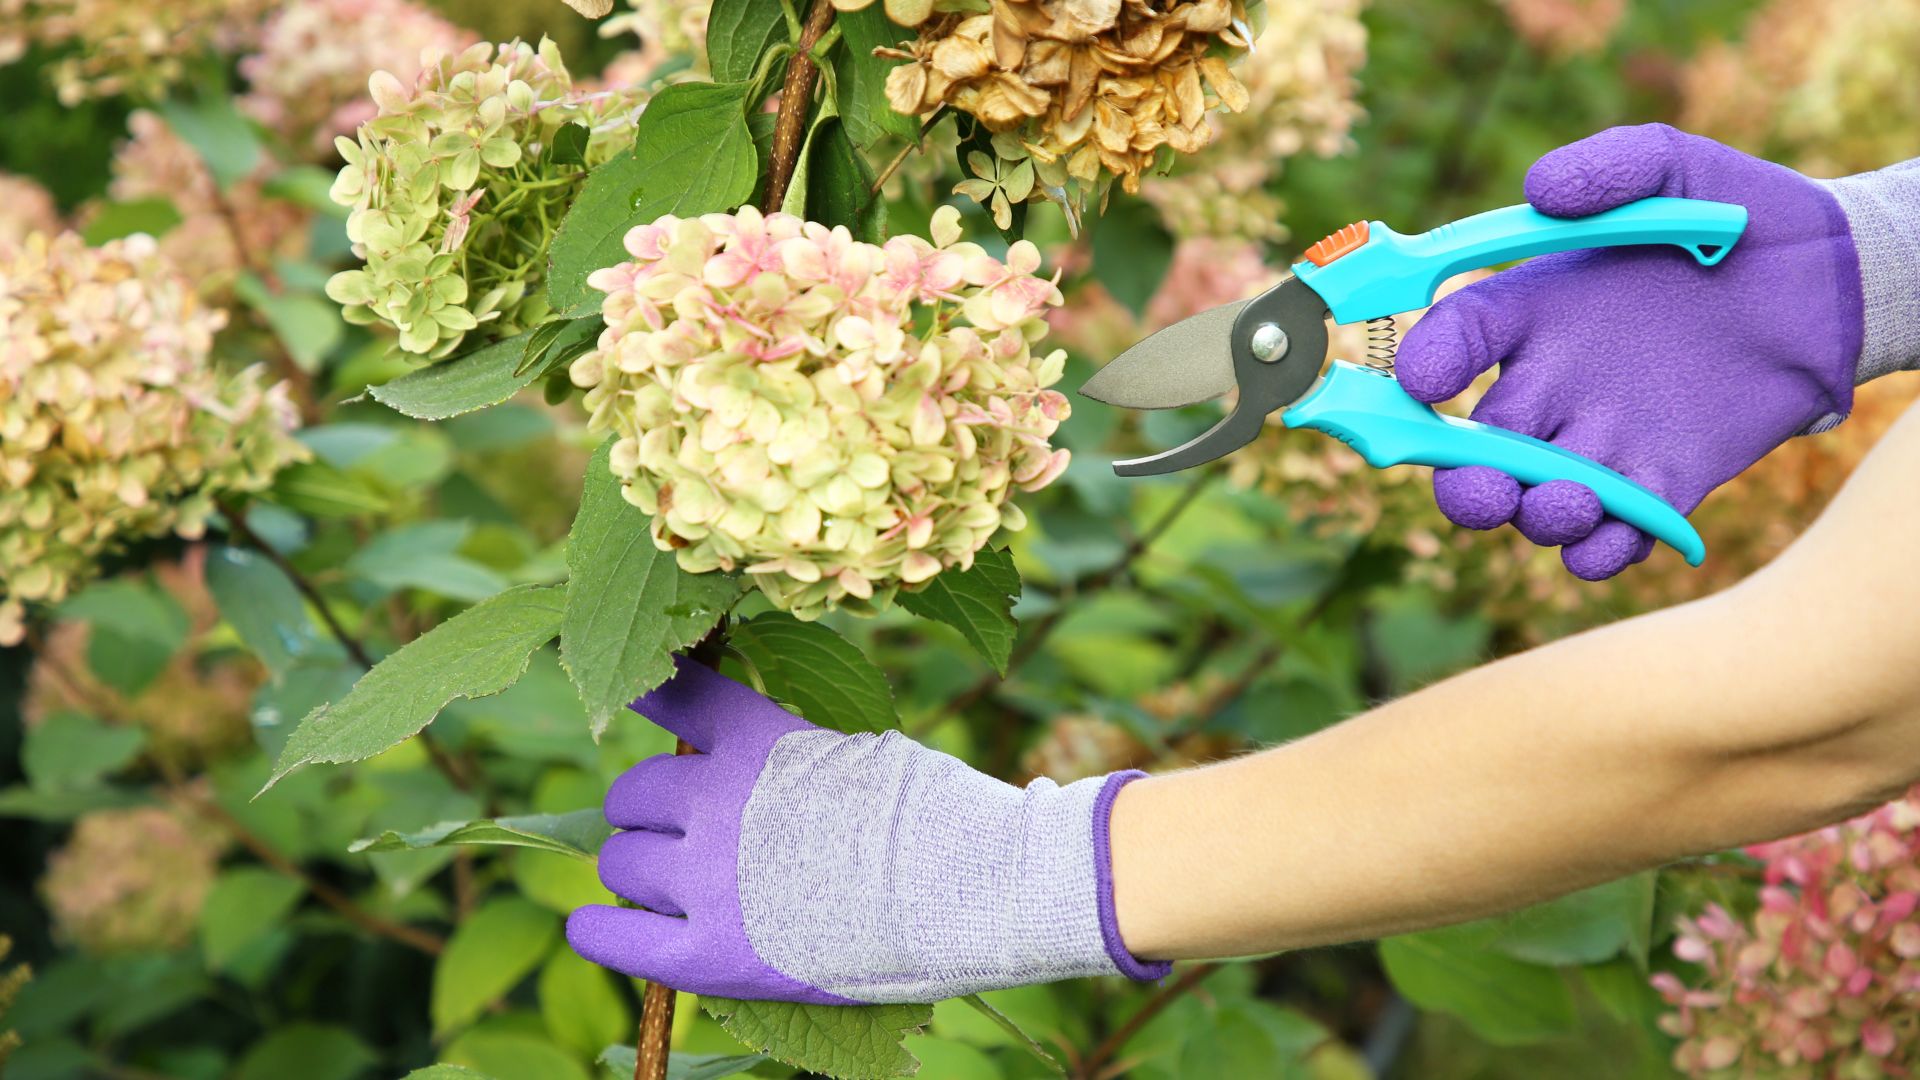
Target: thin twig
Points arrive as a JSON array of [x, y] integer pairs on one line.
[[1157, 1004], [900, 158], [796, 99], [297, 377], [103, 701], [237, 527], [1043, 627]]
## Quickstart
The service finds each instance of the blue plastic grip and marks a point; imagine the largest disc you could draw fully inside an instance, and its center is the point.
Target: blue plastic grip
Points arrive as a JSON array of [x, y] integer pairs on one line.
[[1394, 272], [1367, 410]]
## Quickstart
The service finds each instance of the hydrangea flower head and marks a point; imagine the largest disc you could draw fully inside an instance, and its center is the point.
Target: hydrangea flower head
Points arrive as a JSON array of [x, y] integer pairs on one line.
[[455, 196], [125, 46], [113, 425], [838, 418], [1821, 981], [130, 880]]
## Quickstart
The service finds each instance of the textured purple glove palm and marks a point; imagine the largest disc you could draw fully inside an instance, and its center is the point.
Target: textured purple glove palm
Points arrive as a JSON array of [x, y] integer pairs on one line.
[[1678, 375], [788, 862]]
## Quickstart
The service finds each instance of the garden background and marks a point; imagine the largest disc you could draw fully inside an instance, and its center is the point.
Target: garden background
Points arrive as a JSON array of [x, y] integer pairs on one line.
[[363, 919]]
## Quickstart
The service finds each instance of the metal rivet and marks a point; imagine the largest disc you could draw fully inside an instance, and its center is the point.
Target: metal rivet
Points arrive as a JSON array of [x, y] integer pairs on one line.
[[1269, 343]]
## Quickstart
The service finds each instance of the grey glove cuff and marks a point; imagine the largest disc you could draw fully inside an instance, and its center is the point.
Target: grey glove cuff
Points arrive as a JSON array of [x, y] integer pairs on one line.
[[879, 870], [1883, 210]]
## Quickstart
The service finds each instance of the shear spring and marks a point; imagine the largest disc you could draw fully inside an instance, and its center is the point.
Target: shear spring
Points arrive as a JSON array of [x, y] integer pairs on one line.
[[1383, 342]]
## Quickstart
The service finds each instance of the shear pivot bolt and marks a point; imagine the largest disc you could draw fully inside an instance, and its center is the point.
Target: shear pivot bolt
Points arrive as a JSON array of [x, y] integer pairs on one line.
[[1269, 343]]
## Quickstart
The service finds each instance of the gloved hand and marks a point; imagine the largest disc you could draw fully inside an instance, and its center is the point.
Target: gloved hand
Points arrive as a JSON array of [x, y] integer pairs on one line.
[[789, 862], [1678, 375]]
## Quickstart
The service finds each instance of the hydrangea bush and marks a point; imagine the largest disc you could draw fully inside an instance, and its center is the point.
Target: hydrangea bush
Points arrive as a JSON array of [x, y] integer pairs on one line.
[[836, 418]]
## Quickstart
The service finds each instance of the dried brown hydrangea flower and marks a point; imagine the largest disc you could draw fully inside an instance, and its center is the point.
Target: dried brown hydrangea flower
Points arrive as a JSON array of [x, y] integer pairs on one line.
[[1088, 90]]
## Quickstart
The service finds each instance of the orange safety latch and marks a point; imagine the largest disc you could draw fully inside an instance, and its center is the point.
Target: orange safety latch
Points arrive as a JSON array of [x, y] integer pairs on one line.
[[1351, 238]]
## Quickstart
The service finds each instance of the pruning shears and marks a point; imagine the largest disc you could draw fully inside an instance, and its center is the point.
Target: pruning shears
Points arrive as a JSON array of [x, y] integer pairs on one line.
[[1271, 349]]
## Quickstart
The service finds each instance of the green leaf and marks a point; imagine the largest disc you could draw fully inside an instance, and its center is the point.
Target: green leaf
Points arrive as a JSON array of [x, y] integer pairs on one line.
[[425, 556], [978, 602], [320, 490], [578, 834], [265, 609], [559, 882], [619, 1061], [629, 605], [446, 1072], [839, 185], [512, 1054], [488, 955], [218, 133], [307, 324], [486, 376], [136, 629], [153, 216], [582, 1007], [738, 31], [71, 750], [569, 144], [244, 904], [1021, 1038], [1585, 927], [850, 1042], [309, 1051], [1504, 1001], [309, 185], [824, 675], [861, 77], [478, 652], [1131, 252], [20, 801], [692, 154]]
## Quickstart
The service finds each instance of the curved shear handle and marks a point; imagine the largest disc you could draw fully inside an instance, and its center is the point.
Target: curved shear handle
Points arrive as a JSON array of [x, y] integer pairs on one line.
[[1367, 270], [1367, 410]]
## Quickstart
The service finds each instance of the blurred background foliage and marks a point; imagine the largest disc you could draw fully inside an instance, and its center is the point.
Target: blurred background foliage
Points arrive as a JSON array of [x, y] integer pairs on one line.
[[177, 927]]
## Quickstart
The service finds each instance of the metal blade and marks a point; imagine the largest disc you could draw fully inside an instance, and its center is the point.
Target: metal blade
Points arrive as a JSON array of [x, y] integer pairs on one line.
[[1183, 364]]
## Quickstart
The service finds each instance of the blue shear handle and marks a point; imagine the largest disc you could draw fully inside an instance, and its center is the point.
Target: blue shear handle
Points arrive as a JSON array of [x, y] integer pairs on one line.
[[1394, 272], [1367, 410]]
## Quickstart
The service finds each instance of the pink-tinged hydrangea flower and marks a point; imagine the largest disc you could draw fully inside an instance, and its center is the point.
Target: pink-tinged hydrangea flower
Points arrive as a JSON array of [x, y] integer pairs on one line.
[[114, 425], [25, 207], [455, 197], [307, 79], [1824, 978], [215, 227], [127, 46], [130, 880], [1564, 27], [665, 31], [837, 418]]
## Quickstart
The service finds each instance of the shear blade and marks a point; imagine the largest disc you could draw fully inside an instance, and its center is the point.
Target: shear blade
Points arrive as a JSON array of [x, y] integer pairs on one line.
[[1183, 364]]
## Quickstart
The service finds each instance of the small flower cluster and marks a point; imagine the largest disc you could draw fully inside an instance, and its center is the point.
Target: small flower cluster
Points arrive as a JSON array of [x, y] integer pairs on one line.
[[307, 77], [665, 29], [1301, 87], [1821, 982], [1078, 90], [1824, 84], [1565, 27], [130, 880], [217, 229], [25, 207], [113, 425], [455, 194], [125, 46], [838, 418]]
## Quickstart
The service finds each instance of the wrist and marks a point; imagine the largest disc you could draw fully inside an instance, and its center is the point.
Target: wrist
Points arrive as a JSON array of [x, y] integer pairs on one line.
[[1882, 212], [1128, 960], [1143, 921]]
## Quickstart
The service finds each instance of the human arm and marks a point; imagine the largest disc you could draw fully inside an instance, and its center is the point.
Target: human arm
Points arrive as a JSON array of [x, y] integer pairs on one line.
[[1678, 375], [1785, 703]]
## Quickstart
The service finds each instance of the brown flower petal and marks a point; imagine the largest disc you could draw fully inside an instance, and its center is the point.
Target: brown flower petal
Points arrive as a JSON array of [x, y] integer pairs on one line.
[[1232, 94], [961, 58]]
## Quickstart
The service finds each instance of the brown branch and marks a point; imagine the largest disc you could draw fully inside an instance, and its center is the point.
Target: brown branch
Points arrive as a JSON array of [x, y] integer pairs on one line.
[[237, 527], [796, 99], [1090, 1069]]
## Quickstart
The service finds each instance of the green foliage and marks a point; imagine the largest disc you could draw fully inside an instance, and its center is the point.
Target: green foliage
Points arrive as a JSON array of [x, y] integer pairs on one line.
[[692, 154], [628, 603], [498, 945], [136, 629], [578, 834], [977, 601], [266, 610], [822, 674], [483, 377], [478, 652], [833, 185], [72, 750], [852, 1042], [861, 82], [618, 1064], [245, 904], [738, 32], [309, 1051], [1505, 1001]]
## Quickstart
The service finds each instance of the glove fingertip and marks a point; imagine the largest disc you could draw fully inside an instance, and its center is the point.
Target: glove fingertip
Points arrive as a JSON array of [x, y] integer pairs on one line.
[[1476, 497], [1612, 547], [1608, 169], [1558, 512]]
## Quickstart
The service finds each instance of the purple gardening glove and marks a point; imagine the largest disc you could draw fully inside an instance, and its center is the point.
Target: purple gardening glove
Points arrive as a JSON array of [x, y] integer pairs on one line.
[[789, 862], [1676, 374]]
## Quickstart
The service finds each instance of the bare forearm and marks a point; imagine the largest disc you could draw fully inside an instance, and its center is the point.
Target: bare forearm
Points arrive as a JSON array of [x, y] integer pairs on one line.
[[1780, 705]]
